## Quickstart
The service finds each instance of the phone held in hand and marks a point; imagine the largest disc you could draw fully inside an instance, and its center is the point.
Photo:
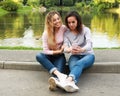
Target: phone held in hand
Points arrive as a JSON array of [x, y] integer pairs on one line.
[[74, 46]]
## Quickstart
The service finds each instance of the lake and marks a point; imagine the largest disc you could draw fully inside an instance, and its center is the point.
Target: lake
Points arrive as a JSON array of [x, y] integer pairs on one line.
[[25, 29]]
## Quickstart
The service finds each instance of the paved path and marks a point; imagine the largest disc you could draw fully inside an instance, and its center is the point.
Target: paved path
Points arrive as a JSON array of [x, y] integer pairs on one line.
[[35, 83]]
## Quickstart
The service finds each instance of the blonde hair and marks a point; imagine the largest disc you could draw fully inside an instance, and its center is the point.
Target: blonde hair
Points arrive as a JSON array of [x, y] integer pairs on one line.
[[49, 28]]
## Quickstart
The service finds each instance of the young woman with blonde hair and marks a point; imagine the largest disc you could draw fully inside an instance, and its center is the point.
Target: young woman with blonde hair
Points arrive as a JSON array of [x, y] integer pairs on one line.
[[52, 58]]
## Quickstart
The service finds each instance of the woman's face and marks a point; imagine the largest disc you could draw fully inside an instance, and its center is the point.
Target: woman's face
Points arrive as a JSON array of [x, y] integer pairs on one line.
[[72, 23], [56, 21]]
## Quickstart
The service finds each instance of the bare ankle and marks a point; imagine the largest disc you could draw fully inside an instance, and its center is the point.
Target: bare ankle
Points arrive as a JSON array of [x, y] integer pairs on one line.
[[70, 79]]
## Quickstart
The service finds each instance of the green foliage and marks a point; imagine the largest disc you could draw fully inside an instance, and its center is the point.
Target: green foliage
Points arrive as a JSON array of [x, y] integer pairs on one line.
[[9, 5], [101, 7], [80, 5], [95, 5], [34, 3], [25, 9], [24, 2], [48, 3], [68, 2], [3, 12], [51, 3], [66, 9]]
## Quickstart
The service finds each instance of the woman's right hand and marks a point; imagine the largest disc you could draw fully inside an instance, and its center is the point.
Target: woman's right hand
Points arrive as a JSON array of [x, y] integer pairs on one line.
[[62, 49], [59, 51], [68, 49]]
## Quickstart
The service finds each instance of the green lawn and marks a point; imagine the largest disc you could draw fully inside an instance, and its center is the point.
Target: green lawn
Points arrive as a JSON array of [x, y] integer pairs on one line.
[[2, 12], [23, 9], [19, 48], [31, 48]]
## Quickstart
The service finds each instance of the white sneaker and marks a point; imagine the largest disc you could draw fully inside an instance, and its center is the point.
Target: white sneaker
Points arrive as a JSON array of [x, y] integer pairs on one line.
[[62, 78], [71, 87], [62, 81], [68, 87], [52, 83], [60, 84]]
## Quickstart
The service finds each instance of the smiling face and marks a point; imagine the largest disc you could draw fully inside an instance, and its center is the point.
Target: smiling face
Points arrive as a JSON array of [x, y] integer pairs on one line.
[[72, 23], [56, 21]]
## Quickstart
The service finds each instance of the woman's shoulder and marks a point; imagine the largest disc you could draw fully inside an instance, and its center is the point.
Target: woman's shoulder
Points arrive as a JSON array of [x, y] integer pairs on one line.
[[67, 32], [86, 29], [44, 34], [63, 26]]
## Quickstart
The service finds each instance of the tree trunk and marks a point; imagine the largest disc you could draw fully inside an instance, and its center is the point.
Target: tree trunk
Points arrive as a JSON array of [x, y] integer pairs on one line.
[[61, 2]]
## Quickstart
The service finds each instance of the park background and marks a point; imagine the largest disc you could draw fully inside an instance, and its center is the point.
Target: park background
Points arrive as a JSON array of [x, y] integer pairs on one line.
[[22, 21]]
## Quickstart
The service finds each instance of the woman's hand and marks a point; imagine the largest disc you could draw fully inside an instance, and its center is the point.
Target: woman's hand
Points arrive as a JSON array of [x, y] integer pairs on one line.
[[62, 49], [68, 49], [59, 51], [77, 50]]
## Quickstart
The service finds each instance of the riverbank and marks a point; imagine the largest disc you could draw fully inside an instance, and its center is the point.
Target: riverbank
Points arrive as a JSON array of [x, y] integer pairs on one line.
[[114, 10]]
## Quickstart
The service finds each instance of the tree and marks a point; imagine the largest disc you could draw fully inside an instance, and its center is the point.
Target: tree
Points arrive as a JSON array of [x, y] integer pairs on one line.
[[61, 2], [25, 2]]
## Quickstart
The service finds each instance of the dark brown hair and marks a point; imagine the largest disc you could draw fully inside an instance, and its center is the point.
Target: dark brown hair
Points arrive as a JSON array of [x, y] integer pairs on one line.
[[78, 18]]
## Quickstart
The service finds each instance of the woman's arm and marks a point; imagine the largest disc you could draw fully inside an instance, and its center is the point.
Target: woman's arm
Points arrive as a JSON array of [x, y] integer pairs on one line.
[[46, 49]]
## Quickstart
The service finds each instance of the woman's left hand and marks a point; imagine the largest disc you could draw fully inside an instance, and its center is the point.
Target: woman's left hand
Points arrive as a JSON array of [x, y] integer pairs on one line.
[[77, 50]]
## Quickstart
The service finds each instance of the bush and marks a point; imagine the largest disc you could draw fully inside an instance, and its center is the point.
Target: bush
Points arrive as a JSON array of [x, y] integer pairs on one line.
[[9, 6], [48, 3], [68, 2], [80, 5], [101, 7], [51, 3]]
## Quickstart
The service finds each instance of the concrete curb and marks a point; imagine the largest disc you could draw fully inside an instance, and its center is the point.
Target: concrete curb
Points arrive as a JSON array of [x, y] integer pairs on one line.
[[98, 67], [21, 65]]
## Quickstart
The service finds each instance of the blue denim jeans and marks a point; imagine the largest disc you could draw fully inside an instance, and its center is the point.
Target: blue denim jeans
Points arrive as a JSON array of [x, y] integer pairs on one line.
[[52, 62], [77, 63]]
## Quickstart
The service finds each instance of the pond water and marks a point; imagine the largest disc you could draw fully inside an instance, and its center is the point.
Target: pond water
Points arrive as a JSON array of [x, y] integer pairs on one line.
[[25, 29]]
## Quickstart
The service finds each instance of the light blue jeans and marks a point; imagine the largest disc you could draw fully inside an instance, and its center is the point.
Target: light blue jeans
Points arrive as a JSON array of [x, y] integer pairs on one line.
[[52, 62], [77, 63]]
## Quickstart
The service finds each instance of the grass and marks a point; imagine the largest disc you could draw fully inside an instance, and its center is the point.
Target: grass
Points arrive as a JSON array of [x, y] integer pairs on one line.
[[19, 48], [24, 9], [106, 48], [2, 12], [31, 48]]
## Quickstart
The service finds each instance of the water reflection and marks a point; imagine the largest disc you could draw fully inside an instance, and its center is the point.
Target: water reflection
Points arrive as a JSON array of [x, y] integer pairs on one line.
[[101, 40], [28, 38], [106, 30], [21, 29]]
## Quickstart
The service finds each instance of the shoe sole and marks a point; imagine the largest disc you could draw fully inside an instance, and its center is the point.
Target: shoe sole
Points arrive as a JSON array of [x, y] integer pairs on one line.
[[69, 88], [52, 84]]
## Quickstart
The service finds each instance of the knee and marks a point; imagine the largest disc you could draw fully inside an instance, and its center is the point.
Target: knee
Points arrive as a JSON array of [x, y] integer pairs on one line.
[[38, 56]]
